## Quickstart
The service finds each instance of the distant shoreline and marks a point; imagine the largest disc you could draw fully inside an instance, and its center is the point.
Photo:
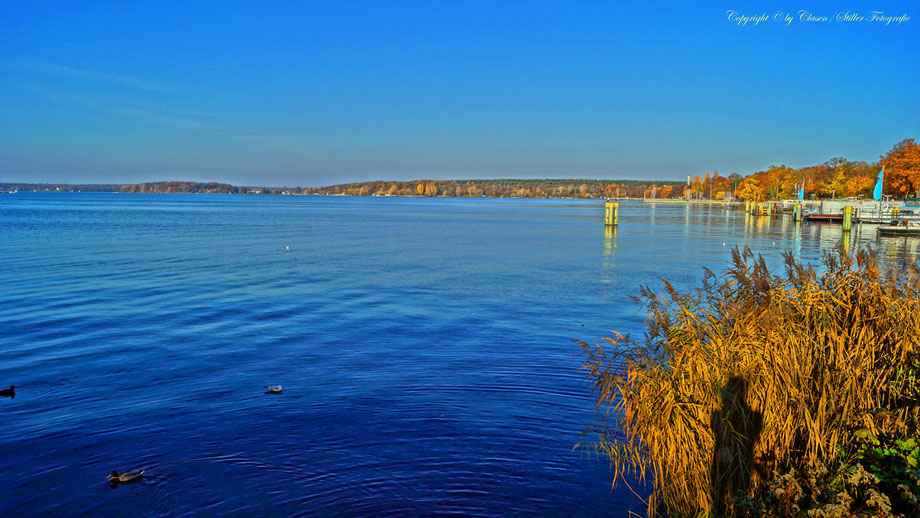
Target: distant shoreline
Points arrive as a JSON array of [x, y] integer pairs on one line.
[[499, 188], [622, 198]]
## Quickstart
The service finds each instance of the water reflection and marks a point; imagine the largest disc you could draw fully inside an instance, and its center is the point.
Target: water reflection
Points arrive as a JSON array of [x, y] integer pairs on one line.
[[610, 246], [610, 234], [797, 240], [829, 235], [902, 249], [680, 229]]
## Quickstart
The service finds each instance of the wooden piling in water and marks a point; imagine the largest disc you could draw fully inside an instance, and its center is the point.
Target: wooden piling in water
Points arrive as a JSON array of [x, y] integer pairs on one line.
[[847, 218], [611, 213], [797, 212]]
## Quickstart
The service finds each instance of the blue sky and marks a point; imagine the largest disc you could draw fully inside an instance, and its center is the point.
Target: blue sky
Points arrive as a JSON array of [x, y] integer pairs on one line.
[[316, 93]]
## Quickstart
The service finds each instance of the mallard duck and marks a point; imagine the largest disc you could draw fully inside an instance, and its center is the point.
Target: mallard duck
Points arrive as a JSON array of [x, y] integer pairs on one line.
[[10, 392], [273, 389], [125, 476]]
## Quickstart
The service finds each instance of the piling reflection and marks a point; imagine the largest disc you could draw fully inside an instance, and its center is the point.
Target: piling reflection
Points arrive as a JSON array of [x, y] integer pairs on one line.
[[829, 235], [608, 263], [785, 223], [901, 249], [610, 234]]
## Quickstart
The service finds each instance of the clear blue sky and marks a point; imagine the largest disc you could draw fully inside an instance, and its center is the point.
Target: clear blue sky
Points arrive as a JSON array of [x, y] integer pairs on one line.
[[316, 93]]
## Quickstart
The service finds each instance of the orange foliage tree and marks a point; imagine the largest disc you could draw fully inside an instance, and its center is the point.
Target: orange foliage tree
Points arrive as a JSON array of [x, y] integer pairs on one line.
[[902, 168], [749, 190], [856, 185]]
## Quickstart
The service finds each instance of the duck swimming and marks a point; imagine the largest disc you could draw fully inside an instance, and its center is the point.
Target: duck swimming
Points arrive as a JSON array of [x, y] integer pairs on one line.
[[10, 392], [273, 389], [125, 476]]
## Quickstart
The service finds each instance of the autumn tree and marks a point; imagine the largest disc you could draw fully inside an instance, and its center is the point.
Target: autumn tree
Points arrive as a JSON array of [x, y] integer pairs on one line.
[[771, 180], [902, 168], [838, 174], [857, 185], [749, 190], [721, 184]]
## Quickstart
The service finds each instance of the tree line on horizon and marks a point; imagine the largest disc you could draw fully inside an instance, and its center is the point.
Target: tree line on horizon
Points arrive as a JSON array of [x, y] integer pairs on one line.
[[54, 187], [204, 188], [835, 178], [500, 188]]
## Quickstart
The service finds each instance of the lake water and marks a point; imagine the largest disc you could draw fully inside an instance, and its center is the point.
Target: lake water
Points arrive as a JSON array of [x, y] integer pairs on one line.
[[424, 346]]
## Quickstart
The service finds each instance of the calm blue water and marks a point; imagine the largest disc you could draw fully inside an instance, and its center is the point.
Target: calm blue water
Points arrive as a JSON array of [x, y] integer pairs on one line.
[[424, 346]]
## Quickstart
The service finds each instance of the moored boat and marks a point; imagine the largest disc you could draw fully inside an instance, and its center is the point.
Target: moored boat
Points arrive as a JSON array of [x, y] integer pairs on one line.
[[899, 228], [824, 218]]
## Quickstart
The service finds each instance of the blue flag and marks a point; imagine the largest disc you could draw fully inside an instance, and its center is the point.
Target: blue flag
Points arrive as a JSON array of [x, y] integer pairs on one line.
[[877, 193], [802, 191]]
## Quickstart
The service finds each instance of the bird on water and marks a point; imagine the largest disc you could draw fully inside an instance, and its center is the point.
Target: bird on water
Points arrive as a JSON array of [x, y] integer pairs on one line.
[[10, 392], [273, 389], [125, 476]]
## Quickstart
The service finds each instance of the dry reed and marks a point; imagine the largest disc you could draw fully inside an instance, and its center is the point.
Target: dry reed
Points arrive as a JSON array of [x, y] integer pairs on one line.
[[755, 374]]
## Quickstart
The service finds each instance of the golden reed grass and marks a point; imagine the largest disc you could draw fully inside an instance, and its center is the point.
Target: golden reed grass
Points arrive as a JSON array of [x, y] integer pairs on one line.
[[755, 374]]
